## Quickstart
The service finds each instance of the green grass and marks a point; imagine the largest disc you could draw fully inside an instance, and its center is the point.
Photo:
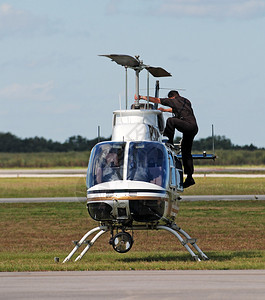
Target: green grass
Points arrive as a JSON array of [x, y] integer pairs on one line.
[[76, 187], [230, 233], [44, 159], [42, 187], [225, 260], [227, 186]]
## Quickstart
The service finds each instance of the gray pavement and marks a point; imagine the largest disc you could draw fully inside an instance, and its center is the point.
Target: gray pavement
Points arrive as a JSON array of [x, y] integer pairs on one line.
[[195, 284], [255, 172], [17, 173], [42, 200], [183, 198]]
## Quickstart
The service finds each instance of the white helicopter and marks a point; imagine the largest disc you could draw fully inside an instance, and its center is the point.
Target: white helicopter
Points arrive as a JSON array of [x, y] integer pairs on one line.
[[135, 180]]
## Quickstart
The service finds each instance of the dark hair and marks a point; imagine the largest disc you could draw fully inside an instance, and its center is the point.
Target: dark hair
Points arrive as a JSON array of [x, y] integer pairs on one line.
[[173, 94]]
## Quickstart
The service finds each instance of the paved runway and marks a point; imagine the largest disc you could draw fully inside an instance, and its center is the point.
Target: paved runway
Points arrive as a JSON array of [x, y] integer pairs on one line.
[[17, 173], [108, 285], [200, 172], [183, 198]]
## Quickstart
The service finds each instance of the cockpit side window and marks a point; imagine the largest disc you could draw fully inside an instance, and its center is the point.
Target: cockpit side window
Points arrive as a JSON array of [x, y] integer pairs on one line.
[[147, 162], [106, 163]]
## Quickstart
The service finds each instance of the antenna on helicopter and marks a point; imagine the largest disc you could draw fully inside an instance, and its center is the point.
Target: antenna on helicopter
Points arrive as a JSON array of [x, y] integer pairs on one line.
[[98, 133], [126, 88], [156, 93], [137, 65], [213, 140]]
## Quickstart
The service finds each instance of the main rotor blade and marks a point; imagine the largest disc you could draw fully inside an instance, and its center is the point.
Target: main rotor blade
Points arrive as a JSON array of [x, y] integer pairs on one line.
[[158, 72], [124, 60]]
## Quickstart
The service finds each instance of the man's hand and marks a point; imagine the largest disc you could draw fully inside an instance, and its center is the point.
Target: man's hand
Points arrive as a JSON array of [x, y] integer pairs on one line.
[[151, 99], [140, 97]]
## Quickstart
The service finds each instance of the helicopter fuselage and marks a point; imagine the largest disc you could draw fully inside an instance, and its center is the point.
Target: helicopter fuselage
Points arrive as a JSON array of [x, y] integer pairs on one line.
[[134, 180], [135, 177]]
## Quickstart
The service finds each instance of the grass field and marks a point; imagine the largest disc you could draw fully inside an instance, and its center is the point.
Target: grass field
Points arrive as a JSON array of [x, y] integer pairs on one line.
[[44, 159], [42, 187], [76, 187], [230, 233]]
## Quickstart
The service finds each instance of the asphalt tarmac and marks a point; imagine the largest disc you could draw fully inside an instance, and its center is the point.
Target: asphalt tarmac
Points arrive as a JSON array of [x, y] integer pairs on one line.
[[183, 198], [255, 172], [108, 285]]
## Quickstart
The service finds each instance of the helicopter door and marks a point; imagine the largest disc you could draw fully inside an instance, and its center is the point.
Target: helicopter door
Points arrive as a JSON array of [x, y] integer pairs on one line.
[[172, 178], [174, 186]]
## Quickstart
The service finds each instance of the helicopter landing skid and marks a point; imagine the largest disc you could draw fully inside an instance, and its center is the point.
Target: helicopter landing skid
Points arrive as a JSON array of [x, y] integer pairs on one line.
[[101, 229], [173, 228]]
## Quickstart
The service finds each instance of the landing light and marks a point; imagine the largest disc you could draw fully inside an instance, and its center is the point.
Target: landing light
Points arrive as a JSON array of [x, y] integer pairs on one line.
[[122, 242]]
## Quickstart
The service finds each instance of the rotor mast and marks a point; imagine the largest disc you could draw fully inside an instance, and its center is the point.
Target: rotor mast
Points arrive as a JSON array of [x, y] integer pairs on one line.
[[137, 65]]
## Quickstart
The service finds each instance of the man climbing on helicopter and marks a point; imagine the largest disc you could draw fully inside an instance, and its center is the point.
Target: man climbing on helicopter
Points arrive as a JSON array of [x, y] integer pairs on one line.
[[185, 122]]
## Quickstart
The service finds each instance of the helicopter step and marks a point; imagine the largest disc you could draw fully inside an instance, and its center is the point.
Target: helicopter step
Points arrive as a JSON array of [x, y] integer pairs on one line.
[[191, 241], [122, 241], [87, 242]]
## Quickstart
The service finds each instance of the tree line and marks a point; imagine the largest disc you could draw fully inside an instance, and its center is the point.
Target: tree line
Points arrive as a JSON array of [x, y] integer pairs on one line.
[[12, 144]]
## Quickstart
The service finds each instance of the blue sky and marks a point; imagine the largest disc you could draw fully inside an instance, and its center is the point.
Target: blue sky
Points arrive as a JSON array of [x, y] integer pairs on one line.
[[54, 84]]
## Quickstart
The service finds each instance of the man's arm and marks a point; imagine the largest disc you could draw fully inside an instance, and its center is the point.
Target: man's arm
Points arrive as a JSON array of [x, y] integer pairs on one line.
[[151, 99], [165, 109]]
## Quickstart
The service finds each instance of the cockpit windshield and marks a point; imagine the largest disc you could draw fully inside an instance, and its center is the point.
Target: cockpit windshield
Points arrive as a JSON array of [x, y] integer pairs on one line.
[[147, 161], [106, 163]]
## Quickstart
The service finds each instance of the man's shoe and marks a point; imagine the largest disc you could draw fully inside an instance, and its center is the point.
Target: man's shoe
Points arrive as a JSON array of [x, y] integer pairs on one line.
[[188, 182]]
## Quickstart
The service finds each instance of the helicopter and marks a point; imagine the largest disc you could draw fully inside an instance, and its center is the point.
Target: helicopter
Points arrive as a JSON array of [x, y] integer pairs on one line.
[[134, 181]]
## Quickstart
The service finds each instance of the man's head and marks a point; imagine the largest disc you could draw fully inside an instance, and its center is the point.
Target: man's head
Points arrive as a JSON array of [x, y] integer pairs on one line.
[[112, 159], [173, 94]]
